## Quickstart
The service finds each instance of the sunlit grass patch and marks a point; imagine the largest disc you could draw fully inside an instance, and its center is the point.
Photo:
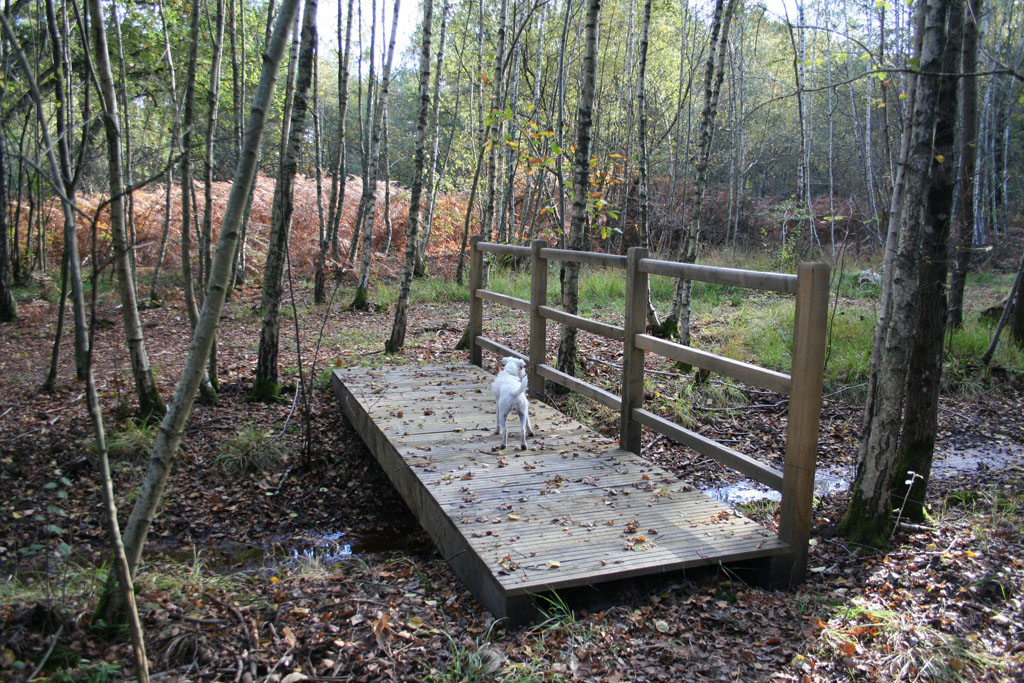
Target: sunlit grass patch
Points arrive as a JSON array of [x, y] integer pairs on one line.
[[439, 291], [697, 397], [901, 646]]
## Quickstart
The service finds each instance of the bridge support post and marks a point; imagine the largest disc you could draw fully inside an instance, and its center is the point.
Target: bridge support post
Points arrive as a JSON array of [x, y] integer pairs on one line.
[[633, 357], [476, 304], [538, 328], [804, 415]]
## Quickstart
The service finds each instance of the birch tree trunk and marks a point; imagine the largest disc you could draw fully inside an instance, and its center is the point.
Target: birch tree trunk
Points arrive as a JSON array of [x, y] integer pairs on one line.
[[265, 384], [493, 122], [964, 227], [920, 417], [365, 126], [65, 177], [397, 339], [173, 150], [361, 298], [433, 169], [150, 403], [581, 185], [208, 394], [8, 308], [868, 518], [337, 201], [645, 209], [211, 131], [677, 322], [172, 427]]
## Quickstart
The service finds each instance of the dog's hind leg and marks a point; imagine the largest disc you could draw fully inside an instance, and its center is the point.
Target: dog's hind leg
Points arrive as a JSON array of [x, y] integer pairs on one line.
[[503, 429]]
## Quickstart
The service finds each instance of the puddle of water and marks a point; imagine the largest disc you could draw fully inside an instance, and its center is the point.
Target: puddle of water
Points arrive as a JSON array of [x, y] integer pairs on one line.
[[828, 481], [329, 548]]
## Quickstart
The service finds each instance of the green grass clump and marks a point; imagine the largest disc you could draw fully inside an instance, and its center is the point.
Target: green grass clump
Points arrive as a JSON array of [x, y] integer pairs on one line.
[[251, 450], [469, 662], [131, 439]]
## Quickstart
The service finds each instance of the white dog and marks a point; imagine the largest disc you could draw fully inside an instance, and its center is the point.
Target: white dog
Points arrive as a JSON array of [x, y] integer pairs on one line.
[[510, 392]]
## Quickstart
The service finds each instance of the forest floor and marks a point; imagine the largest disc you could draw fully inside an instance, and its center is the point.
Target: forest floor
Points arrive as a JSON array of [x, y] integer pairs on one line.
[[314, 567]]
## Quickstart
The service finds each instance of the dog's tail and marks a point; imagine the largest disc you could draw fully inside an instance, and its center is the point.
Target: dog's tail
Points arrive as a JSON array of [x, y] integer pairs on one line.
[[523, 385]]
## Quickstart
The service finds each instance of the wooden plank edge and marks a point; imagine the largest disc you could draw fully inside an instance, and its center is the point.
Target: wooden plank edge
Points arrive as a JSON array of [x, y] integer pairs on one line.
[[443, 531]]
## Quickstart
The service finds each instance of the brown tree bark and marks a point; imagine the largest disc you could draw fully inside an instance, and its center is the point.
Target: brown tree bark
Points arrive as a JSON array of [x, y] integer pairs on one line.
[[265, 385], [963, 239], [397, 339], [150, 402], [581, 186], [868, 518], [677, 322]]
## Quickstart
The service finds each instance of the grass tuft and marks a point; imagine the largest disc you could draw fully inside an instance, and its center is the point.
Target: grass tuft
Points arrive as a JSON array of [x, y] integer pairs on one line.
[[131, 440], [252, 449]]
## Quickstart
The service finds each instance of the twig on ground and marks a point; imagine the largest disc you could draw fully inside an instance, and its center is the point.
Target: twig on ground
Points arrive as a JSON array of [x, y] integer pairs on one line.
[[655, 441], [46, 656], [238, 616]]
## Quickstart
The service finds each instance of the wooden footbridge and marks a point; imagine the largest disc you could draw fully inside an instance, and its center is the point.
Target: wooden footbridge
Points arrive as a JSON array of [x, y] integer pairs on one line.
[[575, 508]]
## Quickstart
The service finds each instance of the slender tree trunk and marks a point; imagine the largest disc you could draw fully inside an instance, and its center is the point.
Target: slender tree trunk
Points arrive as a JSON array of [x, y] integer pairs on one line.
[[432, 171], [397, 339], [921, 415], [171, 428], [385, 154], [337, 203], [213, 107], [265, 385], [645, 208], [320, 272], [121, 569], [964, 226], [493, 122], [126, 140], [50, 383], [361, 298], [208, 394], [150, 403], [8, 309], [188, 120], [581, 186], [175, 148], [367, 199], [677, 322], [58, 41]]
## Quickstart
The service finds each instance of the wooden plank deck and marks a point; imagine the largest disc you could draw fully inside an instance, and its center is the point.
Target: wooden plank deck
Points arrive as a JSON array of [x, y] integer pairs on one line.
[[573, 509]]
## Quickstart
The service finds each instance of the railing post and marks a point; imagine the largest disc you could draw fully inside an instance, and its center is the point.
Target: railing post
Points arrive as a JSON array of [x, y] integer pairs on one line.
[[538, 328], [632, 357], [476, 304], [804, 415]]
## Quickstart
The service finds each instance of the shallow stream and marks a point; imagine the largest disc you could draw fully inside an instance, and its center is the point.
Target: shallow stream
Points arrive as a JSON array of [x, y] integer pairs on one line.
[[829, 480]]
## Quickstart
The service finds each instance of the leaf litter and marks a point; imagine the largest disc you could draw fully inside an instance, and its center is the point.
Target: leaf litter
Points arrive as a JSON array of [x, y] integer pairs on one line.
[[944, 603]]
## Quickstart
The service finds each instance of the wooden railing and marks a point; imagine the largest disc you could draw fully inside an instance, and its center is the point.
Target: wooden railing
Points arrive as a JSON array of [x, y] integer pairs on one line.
[[803, 385]]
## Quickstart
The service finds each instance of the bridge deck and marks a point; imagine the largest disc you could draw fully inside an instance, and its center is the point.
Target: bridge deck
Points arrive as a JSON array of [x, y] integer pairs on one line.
[[574, 509]]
